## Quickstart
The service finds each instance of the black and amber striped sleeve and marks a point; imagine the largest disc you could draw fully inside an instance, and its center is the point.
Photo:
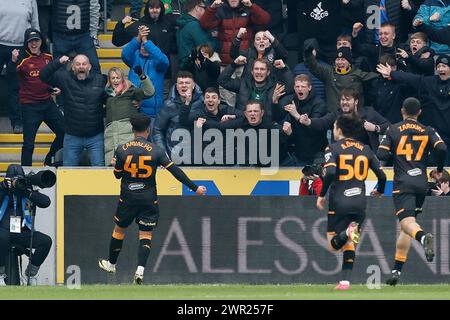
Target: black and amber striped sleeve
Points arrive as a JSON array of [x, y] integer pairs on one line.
[[439, 148], [164, 160], [118, 167], [330, 170], [384, 150]]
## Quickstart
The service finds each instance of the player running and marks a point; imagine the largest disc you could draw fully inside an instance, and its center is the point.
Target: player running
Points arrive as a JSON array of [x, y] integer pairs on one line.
[[136, 164], [410, 143], [347, 165]]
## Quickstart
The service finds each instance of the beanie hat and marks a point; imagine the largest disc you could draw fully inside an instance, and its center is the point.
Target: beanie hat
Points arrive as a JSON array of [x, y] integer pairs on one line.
[[344, 52], [445, 59]]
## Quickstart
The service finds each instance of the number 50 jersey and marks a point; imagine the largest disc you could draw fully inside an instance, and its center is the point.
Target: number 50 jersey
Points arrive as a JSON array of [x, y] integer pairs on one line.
[[347, 167]]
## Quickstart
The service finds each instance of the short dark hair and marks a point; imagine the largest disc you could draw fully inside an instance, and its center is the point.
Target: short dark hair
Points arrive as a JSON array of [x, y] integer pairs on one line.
[[212, 90], [344, 37], [445, 177], [411, 106], [351, 125], [350, 92], [154, 4], [389, 59], [253, 101], [184, 74], [191, 4], [140, 122]]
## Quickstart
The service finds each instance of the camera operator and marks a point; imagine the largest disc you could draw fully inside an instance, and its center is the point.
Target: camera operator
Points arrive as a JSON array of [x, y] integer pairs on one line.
[[311, 183], [16, 199]]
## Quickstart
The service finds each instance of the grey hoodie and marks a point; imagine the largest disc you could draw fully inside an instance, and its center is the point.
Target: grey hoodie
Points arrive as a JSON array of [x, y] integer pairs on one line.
[[15, 18]]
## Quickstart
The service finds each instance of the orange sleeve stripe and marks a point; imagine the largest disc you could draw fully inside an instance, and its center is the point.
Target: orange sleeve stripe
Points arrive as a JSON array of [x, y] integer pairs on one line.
[[23, 61], [331, 212], [330, 164], [437, 142], [118, 170], [384, 147], [399, 211], [169, 165]]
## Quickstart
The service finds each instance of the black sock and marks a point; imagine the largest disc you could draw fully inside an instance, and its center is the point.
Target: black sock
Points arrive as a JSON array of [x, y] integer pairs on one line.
[[339, 240], [398, 265], [144, 251], [115, 245], [419, 235], [347, 264]]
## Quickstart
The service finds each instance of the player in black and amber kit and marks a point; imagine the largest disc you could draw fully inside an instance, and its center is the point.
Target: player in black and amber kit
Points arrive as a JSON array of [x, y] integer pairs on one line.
[[136, 163], [410, 143], [347, 166]]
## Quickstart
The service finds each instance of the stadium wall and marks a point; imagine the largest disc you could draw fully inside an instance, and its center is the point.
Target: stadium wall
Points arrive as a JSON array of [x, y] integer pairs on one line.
[[232, 237]]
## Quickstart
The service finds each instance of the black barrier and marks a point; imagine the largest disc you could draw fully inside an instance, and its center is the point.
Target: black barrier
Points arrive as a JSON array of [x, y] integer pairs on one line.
[[242, 239]]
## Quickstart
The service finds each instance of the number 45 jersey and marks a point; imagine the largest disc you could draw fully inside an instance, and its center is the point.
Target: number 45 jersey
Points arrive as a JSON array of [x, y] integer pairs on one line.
[[410, 143], [136, 163], [347, 166]]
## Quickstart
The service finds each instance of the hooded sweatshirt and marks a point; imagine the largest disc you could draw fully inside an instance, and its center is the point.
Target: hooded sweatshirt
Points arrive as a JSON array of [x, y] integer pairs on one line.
[[15, 18]]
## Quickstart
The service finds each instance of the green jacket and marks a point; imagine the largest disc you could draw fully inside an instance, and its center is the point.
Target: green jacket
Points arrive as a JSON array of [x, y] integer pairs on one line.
[[190, 35], [335, 82], [121, 107]]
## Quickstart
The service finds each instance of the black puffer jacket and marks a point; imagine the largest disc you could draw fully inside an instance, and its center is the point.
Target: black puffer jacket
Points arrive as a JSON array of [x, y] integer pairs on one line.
[[162, 31], [83, 107]]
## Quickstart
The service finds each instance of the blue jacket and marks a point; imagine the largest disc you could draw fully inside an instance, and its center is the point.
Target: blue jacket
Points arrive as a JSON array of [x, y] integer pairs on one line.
[[154, 66], [426, 10], [26, 214]]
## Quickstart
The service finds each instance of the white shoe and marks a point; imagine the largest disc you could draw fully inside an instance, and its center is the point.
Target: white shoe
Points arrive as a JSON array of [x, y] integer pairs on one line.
[[33, 280], [138, 278], [2, 280], [107, 266]]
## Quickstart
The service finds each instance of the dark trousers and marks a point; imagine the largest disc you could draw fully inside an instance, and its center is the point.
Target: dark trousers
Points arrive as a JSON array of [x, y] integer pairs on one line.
[[64, 44], [41, 243], [45, 14], [33, 115], [12, 89]]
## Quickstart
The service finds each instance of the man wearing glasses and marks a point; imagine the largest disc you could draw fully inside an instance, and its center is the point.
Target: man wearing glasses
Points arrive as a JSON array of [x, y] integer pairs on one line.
[[190, 34]]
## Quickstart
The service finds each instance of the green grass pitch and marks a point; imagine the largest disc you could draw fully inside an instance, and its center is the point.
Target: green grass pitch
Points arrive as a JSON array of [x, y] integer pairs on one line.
[[227, 292]]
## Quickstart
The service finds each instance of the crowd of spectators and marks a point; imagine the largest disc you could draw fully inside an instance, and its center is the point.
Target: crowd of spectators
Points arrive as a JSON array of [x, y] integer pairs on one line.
[[248, 65]]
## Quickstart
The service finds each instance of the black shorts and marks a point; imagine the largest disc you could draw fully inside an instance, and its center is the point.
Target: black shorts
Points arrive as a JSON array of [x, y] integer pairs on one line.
[[145, 215], [339, 222], [408, 204]]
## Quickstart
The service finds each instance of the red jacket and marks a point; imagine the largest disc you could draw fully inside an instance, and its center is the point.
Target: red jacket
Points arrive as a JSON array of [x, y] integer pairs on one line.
[[313, 190], [32, 89], [229, 20]]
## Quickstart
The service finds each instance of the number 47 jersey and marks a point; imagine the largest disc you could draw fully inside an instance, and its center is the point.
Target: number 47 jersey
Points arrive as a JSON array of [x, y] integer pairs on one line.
[[136, 164], [410, 143]]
